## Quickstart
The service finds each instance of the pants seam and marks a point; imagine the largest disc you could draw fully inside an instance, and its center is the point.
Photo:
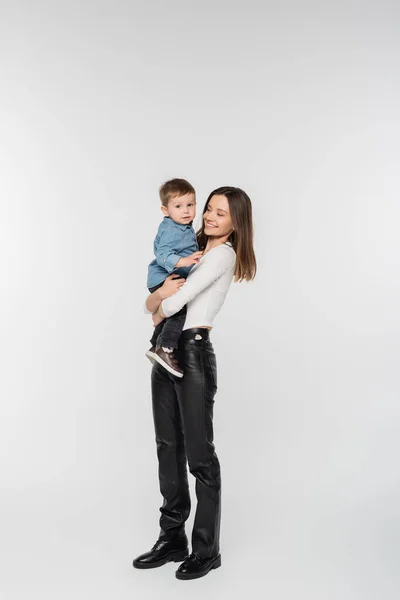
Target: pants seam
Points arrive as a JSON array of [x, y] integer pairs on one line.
[[203, 411]]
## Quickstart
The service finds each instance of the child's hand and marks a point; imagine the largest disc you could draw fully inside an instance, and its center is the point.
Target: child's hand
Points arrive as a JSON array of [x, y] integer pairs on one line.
[[171, 285], [187, 261]]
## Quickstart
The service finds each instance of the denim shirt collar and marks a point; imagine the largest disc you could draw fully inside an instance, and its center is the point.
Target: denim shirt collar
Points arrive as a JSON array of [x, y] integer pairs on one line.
[[179, 225]]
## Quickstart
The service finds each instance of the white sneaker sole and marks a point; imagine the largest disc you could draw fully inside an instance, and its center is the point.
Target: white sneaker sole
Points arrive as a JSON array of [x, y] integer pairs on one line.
[[167, 367], [150, 356]]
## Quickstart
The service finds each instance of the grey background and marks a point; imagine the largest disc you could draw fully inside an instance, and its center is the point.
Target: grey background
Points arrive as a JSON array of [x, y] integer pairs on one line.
[[296, 102]]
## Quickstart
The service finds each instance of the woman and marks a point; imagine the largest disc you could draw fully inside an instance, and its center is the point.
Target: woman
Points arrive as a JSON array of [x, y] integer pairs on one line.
[[183, 408]]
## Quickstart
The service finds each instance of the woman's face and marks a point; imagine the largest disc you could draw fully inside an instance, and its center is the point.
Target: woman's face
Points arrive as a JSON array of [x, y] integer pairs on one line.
[[217, 218]]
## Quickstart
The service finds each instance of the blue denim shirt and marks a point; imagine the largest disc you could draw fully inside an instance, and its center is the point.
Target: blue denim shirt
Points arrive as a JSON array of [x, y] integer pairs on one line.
[[173, 240]]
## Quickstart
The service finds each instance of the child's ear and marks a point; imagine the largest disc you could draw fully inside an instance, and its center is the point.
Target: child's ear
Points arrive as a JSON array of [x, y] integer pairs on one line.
[[164, 211]]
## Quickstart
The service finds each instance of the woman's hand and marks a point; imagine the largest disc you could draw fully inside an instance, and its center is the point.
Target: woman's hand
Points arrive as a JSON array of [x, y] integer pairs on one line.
[[171, 285]]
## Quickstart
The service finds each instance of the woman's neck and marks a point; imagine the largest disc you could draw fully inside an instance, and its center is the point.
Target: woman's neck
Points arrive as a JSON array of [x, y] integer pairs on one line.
[[213, 242]]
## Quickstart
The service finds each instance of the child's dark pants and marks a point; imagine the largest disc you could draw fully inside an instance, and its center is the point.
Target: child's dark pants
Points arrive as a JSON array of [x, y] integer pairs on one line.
[[168, 332]]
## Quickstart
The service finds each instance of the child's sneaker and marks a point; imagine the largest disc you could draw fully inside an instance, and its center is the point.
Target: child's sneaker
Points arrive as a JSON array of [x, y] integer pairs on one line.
[[150, 354], [168, 361]]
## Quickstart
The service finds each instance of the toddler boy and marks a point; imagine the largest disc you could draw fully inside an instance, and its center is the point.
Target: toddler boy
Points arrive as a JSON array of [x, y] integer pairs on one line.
[[176, 251]]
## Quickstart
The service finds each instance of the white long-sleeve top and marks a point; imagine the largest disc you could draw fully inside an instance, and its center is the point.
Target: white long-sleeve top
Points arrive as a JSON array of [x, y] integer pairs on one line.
[[205, 288]]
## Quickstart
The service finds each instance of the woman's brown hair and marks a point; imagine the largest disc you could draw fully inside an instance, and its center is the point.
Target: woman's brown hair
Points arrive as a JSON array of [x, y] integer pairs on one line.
[[242, 235]]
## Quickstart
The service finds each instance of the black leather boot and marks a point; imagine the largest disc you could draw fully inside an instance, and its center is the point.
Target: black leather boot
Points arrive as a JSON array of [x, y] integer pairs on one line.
[[163, 551], [195, 567]]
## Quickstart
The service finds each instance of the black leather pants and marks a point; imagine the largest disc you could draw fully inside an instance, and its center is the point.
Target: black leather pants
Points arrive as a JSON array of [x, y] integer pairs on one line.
[[183, 420]]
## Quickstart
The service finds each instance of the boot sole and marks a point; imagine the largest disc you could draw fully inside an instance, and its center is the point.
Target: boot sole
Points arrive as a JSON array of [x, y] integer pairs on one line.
[[214, 565], [167, 367], [173, 557]]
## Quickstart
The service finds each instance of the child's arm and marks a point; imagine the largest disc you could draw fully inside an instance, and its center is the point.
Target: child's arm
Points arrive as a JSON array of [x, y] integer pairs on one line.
[[188, 261], [168, 259]]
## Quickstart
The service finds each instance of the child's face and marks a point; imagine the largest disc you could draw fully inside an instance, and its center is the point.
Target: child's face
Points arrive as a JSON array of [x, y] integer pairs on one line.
[[181, 209]]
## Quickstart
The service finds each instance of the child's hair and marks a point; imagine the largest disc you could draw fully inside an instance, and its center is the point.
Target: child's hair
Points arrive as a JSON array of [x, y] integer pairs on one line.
[[174, 187]]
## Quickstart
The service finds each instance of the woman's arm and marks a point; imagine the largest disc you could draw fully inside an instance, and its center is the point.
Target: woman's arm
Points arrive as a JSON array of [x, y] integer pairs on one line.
[[170, 286], [212, 266], [153, 301]]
